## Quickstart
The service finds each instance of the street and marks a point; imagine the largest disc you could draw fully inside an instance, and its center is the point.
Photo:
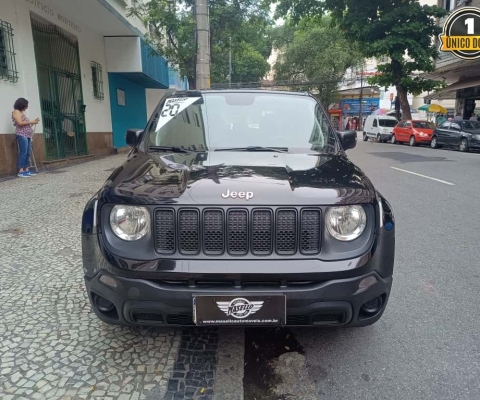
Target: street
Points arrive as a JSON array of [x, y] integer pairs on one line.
[[426, 345]]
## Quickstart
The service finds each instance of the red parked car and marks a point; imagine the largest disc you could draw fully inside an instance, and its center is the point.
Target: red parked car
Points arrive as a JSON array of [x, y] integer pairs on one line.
[[413, 132]]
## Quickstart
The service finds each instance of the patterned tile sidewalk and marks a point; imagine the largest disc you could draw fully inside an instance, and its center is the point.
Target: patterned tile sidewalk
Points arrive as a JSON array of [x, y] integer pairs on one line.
[[51, 344]]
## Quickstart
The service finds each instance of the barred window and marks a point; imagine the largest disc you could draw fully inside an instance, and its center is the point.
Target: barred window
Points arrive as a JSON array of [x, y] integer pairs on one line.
[[8, 66], [97, 79]]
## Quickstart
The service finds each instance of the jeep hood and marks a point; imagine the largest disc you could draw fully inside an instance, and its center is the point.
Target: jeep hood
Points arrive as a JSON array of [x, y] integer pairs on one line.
[[271, 178]]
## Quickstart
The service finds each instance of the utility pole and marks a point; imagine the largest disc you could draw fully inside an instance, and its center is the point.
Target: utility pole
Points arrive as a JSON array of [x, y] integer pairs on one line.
[[360, 110], [230, 65], [202, 74]]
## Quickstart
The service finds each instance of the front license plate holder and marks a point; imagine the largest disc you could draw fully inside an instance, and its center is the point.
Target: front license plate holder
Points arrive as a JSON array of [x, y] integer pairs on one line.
[[239, 310]]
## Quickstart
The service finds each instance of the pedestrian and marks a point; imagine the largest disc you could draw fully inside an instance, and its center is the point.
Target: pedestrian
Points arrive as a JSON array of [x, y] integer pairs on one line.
[[473, 117], [23, 134], [458, 117]]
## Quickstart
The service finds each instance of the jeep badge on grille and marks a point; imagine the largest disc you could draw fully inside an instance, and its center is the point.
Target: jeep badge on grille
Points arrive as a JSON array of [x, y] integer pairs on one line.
[[240, 195]]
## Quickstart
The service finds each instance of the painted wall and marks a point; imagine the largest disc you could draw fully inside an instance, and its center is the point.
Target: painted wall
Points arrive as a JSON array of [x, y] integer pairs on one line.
[[121, 7], [92, 48], [153, 98], [133, 114], [123, 54]]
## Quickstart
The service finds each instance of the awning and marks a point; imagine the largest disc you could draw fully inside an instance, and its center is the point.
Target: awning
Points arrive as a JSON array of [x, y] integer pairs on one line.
[[450, 91]]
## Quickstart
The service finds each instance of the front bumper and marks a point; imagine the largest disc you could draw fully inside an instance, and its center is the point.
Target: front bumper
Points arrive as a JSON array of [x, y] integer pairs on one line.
[[149, 302], [474, 144], [161, 291], [386, 136]]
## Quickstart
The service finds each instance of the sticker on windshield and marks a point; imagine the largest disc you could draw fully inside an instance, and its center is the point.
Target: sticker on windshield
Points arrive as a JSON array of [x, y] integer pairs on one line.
[[173, 107]]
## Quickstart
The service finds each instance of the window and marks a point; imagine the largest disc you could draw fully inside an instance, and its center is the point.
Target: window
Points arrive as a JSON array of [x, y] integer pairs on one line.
[[97, 80], [8, 67], [375, 123], [471, 125], [247, 119], [450, 5], [423, 125], [390, 123], [408, 124], [455, 126], [445, 125], [401, 124]]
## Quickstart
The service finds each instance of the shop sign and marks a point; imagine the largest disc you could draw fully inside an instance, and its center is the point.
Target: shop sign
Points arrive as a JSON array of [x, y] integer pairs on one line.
[[46, 9]]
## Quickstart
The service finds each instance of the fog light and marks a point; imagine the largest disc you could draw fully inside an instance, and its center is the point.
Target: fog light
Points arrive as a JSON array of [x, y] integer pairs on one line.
[[365, 283], [373, 306], [108, 280], [103, 305]]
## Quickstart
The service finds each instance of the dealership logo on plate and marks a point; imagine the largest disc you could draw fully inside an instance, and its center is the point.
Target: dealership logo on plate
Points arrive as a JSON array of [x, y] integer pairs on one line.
[[240, 307]]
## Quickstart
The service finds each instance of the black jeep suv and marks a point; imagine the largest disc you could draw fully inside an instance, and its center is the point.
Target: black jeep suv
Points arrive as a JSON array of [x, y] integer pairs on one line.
[[238, 208]]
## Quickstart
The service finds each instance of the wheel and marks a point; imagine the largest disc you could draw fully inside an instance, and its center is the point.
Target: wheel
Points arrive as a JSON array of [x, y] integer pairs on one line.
[[434, 143], [463, 146], [411, 142], [393, 140], [365, 137]]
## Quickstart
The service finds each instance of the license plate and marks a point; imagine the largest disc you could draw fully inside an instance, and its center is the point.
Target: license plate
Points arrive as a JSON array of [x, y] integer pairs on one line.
[[239, 310]]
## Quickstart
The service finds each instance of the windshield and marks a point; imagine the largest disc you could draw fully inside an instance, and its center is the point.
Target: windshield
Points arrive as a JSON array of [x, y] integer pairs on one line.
[[224, 120], [389, 123], [471, 125], [423, 125]]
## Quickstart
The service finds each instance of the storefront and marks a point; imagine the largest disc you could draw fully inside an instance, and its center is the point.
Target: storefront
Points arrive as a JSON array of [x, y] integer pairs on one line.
[[466, 93]]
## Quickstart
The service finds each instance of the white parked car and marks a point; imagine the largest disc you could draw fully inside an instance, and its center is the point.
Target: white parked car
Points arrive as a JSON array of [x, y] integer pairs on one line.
[[379, 127]]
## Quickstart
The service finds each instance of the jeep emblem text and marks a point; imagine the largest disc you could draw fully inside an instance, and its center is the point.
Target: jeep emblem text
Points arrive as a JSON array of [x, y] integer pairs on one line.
[[240, 195]]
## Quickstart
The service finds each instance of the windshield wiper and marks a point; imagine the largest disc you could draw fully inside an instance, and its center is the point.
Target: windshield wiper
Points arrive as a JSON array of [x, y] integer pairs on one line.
[[173, 149], [256, 148]]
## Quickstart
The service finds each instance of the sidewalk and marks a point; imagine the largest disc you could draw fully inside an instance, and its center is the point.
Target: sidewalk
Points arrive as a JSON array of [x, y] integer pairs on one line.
[[52, 345]]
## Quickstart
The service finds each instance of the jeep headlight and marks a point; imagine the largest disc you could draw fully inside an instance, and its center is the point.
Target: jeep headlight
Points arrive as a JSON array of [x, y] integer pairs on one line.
[[346, 223], [130, 222]]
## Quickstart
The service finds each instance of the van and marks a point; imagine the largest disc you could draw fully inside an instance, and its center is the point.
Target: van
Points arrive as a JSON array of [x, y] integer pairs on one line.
[[379, 127]]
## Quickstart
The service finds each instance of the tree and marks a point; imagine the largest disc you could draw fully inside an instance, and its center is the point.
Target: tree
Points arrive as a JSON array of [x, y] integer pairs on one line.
[[402, 30], [247, 22], [314, 52]]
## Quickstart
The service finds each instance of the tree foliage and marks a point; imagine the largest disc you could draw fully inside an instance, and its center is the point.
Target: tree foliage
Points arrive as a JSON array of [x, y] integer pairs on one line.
[[246, 22], [402, 30], [314, 52]]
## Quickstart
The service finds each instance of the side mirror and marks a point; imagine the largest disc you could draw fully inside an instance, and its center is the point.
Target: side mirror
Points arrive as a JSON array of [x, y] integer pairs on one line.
[[348, 139], [133, 137]]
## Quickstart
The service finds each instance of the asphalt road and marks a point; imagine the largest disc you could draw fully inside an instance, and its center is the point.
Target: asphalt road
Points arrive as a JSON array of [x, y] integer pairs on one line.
[[426, 346]]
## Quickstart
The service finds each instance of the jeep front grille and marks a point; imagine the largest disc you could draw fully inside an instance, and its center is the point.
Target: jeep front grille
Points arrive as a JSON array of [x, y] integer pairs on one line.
[[258, 231]]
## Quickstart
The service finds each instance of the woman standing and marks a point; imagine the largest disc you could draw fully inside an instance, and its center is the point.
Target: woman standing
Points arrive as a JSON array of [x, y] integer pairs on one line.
[[23, 133]]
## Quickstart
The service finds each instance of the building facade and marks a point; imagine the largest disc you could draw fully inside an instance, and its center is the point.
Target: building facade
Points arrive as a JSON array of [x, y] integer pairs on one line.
[[462, 77], [85, 69]]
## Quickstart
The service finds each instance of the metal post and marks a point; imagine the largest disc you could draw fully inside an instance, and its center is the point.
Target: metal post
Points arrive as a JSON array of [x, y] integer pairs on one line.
[[360, 111], [203, 44], [230, 65]]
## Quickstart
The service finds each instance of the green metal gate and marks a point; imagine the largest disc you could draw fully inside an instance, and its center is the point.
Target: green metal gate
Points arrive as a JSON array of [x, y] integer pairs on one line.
[[60, 86]]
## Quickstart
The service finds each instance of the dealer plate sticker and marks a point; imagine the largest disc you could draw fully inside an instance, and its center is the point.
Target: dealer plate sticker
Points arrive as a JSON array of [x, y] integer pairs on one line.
[[172, 107], [239, 310]]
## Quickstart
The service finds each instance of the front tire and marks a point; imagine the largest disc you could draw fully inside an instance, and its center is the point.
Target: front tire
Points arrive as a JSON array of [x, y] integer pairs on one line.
[[412, 142], [434, 143], [365, 137], [463, 146]]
